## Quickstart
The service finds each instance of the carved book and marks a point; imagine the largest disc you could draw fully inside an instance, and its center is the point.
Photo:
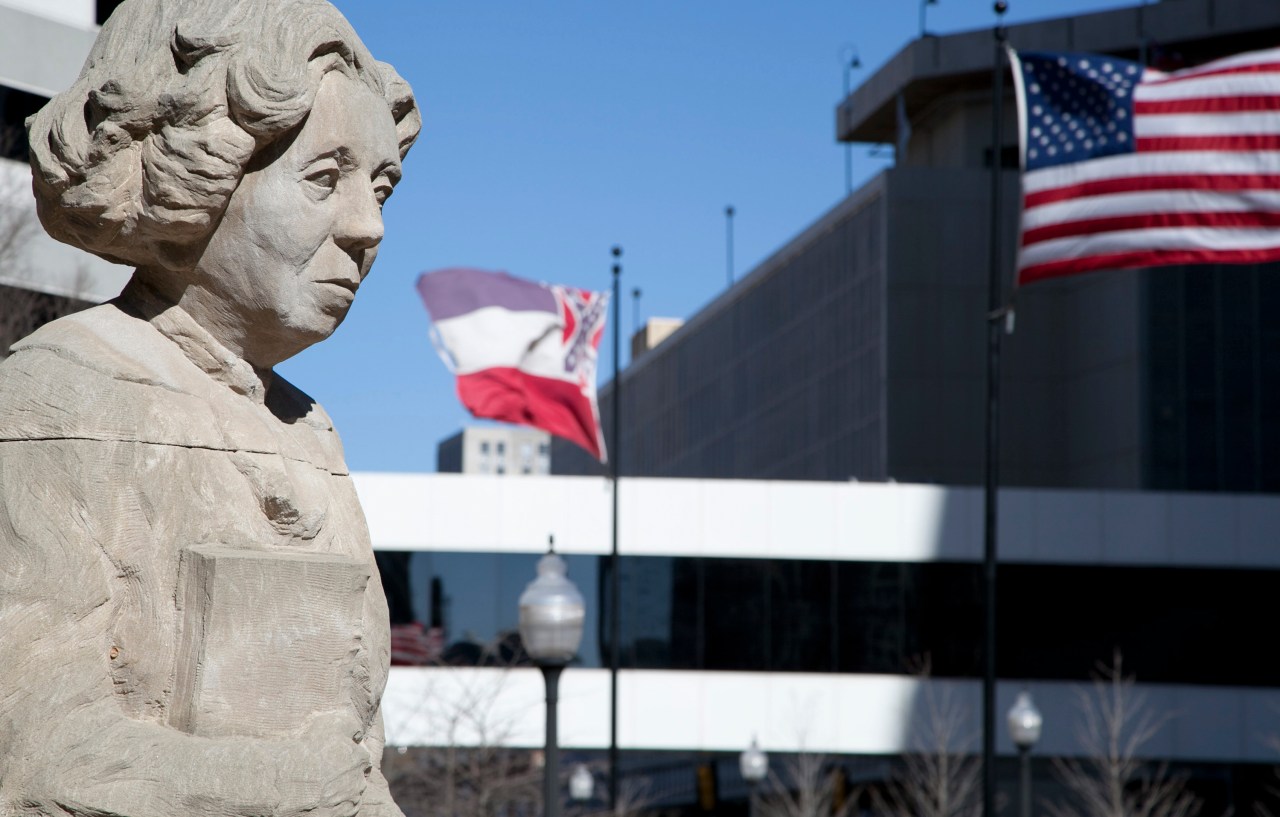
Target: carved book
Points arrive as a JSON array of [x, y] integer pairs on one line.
[[268, 639]]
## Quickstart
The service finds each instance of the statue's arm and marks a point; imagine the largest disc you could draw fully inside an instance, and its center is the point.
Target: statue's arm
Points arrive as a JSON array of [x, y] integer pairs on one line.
[[66, 743]]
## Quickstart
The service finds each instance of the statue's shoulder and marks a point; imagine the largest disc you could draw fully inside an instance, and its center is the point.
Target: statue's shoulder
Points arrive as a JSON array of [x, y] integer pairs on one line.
[[102, 341], [84, 376], [108, 374]]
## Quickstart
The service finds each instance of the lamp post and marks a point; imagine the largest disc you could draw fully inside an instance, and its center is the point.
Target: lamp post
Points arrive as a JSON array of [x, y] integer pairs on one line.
[[924, 7], [1024, 729], [754, 765], [636, 292], [850, 60], [551, 618], [582, 784], [615, 583], [991, 481], [728, 243]]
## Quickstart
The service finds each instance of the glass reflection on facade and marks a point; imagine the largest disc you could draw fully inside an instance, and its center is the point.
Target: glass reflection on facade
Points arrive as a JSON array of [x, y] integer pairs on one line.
[[461, 608], [1056, 622]]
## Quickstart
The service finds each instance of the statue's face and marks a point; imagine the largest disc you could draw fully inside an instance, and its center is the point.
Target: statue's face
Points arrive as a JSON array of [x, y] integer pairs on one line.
[[302, 229]]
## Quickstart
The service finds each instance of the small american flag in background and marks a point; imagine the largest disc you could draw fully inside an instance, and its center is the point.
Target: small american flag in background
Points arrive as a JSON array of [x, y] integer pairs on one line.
[[1131, 167]]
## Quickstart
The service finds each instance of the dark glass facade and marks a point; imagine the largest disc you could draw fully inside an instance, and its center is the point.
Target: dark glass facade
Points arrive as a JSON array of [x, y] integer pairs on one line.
[[15, 107], [1056, 622], [104, 8], [467, 604], [1212, 390]]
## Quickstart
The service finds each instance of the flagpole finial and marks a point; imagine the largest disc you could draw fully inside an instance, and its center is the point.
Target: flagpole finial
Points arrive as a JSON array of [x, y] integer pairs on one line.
[[1001, 7], [551, 543], [617, 251]]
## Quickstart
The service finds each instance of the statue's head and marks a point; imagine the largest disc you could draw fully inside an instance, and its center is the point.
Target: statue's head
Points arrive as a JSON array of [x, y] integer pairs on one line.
[[240, 149]]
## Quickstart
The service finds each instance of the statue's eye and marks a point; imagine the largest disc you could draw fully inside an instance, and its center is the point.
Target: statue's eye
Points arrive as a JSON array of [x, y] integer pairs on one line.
[[323, 181]]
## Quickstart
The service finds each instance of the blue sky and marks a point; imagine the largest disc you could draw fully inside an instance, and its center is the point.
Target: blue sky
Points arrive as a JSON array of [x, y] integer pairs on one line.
[[554, 130]]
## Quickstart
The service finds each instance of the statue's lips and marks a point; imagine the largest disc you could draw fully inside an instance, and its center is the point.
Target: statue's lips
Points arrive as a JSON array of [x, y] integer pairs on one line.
[[342, 283]]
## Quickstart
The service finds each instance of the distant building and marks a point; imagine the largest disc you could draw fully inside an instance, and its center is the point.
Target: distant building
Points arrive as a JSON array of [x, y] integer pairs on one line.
[[654, 331], [43, 43], [496, 450], [858, 349]]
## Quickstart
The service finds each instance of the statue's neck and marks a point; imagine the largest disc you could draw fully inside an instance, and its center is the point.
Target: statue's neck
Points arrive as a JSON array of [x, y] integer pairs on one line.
[[198, 344]]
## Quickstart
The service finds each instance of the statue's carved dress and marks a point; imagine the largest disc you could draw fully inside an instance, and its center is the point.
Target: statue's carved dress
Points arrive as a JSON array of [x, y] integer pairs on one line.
[[191, 620], [147, 437]]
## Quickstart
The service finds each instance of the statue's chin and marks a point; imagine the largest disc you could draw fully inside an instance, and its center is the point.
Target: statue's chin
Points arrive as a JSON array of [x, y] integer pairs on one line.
[[301, 331]]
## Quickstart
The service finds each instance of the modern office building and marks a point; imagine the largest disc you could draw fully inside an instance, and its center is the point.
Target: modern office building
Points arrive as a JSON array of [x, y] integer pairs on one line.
[[43, 43], [858, 349], [820, 420], [498, 450], [798, 612]]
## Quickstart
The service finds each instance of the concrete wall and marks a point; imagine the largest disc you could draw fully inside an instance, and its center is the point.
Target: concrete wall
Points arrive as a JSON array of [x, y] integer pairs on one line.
[[78, 13], [43, 44], [791, 712], [817, 520]]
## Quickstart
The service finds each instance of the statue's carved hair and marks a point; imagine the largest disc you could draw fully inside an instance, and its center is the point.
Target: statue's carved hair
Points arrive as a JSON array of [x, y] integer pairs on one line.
[[137, 161]]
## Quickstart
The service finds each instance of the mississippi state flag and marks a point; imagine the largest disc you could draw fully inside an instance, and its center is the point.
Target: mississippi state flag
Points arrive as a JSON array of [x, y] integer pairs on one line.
[[1126, 166], [523, 352]]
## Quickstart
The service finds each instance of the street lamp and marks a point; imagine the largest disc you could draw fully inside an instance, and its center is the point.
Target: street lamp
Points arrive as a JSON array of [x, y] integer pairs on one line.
[[582, 784], [1024, 729], [924, 7], [850, 60], [551, 618], [728, 242], [636, 292], [754, 765]]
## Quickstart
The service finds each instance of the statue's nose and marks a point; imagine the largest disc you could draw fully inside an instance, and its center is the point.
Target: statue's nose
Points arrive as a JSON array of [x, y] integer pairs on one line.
[[359, 226]]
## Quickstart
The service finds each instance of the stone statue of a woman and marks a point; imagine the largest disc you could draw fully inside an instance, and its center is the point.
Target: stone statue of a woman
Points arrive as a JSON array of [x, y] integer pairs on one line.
[[191, 621]]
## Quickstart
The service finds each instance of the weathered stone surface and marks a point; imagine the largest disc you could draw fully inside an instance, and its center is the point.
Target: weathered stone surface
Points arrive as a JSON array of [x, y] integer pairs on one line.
[[191, 618]]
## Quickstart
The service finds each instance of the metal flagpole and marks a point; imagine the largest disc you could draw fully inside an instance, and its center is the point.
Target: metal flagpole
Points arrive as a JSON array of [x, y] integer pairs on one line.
[[615, 456], [995, 321]]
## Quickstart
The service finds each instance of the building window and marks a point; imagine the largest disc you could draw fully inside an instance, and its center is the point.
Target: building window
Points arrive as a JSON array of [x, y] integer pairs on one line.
[[105, 7], [15, 107], [484, 447]]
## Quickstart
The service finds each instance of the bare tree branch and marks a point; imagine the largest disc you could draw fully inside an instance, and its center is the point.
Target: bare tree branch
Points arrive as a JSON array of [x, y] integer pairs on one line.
[[808, 787], [470, 772], [23, 310], [943, 780], [1112, 780]]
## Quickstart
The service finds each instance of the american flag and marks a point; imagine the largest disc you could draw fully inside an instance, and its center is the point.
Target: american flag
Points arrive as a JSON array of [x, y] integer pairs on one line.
[[1126, 166]]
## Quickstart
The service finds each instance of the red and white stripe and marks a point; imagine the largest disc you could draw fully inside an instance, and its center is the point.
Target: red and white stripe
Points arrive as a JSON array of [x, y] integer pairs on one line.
[[1202, 187]]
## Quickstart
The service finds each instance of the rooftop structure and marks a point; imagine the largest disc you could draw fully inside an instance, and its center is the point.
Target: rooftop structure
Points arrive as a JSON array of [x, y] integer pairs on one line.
[[858, 349]]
